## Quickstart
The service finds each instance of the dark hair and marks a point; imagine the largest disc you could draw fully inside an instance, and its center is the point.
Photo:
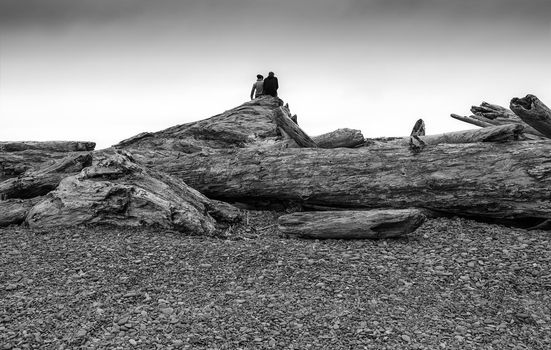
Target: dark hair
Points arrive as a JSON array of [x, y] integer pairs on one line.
[[271, 74], [259, 76]]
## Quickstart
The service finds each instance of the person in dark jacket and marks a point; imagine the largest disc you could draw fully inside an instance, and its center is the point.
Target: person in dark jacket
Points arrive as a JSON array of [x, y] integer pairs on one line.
[[270, 85]]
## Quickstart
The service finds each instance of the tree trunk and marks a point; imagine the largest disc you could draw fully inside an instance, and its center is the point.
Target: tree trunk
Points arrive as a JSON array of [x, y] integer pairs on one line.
[[47, 146], [40, 182], [292, 129], [352, 224], [500, 133], [498, 180], [14, 211], [534, 113]]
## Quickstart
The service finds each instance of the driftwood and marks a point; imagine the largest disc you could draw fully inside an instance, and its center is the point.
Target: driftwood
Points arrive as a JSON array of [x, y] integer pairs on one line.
[[506, 180], [117, 191], [40, 182], [13, 164], [500, 133], [292, 129], [488, 114], [349, 138], [534, 113], [351, 224], [14, 211], [47, 146]]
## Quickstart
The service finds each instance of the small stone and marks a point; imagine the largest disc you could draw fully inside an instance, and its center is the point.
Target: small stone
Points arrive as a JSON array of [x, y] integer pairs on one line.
[[406, 338], [11, 287], [133, 342], [177, 342], [123, 320], [81, 333], [167, 310]]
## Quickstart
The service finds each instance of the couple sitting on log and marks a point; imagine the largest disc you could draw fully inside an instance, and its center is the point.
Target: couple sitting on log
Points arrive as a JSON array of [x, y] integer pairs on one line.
[[266, 86]]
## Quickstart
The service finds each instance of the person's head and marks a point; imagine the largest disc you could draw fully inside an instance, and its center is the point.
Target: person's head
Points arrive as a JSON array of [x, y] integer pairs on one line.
[[259, 76], [271, 74]]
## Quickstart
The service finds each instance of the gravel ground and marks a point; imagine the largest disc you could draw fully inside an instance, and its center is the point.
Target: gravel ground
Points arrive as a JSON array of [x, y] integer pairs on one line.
[[454, 284]]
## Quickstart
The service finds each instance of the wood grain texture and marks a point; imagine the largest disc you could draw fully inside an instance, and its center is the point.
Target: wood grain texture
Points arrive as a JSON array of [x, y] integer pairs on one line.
[[534, 113], [497, 180], [14, 211], [34, 183], [47, 146], [117, 191], [369, 224], [488, 114], [292, 129], [499, 133]]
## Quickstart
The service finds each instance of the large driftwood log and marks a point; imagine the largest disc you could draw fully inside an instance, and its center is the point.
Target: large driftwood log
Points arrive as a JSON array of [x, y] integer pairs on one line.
[[534, 113], [382, 223], [40, 182], [47, 146], [292, 129], [500, 133], [117, 191], [14, 211], [509, 180]]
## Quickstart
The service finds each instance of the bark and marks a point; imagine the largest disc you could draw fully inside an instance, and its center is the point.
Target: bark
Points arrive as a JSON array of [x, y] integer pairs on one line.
[[47, 146], [509, 180], [40, 182], [370, 224], [117, 191], [534, 113], [14, 211], [292, 129], [501, 133]]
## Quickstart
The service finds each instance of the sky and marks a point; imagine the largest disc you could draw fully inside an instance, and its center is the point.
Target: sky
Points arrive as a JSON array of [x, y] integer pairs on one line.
[[105, 70]]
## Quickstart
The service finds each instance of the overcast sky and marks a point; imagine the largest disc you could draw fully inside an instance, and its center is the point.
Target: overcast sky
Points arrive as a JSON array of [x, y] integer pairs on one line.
[[105, 70]]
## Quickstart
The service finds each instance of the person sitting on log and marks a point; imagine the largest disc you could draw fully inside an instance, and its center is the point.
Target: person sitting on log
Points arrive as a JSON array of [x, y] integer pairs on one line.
[[271, 85], [258, 87], [418, 130]]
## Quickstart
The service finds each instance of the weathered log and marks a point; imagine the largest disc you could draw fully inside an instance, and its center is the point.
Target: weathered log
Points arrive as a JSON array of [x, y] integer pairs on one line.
[[14, 211], [238, 127], [510, 180], [349, 138], [488, 114], [500, 133], [13, 164], [371, 224], [292, 129], [117, 191], [534, 113], [471, 120], [40, 182], [47, 146]]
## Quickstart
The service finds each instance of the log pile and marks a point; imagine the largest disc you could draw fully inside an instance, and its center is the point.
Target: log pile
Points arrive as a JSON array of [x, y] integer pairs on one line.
[[185, 178]]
